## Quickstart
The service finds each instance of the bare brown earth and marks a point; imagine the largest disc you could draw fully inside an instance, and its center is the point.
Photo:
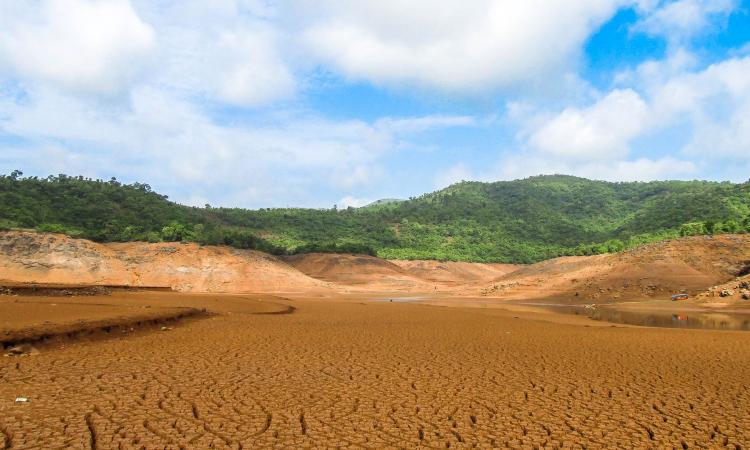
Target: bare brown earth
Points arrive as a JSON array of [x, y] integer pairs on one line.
[[349, 373], [456, 273], [335, 365], [375, 274], [652, 271], [54, 258]]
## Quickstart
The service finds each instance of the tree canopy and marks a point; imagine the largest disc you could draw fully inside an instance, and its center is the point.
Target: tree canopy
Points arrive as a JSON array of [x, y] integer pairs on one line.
[[509, 221]]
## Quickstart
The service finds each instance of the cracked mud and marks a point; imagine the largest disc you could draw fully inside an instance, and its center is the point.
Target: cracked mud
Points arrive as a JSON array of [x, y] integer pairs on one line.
[[355, 374]]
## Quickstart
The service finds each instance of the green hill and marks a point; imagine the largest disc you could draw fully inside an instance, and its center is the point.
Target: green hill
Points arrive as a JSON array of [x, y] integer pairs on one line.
[[509, 221]]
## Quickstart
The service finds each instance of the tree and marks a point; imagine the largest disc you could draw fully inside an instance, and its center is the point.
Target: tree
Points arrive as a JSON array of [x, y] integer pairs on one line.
[[693, 229], [174, 232], [710, 226], [730, 226]]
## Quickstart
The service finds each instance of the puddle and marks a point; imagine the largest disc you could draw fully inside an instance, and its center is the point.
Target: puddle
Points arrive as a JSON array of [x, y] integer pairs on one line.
[[710, 320]]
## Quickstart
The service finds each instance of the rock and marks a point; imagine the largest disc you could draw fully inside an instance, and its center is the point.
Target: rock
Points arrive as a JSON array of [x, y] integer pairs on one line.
[[726, 293], [744, 285], [22, 400], [23, 349], [746, 295]]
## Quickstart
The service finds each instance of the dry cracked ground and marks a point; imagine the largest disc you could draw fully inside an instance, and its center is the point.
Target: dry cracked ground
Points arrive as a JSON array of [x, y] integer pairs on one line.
[[350, 373]]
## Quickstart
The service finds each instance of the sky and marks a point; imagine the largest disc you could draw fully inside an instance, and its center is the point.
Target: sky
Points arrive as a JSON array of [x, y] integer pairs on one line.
[[311, 103]]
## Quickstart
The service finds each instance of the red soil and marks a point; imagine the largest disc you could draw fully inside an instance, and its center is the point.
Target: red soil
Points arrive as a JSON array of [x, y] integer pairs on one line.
[[653, 271], [54, 258]]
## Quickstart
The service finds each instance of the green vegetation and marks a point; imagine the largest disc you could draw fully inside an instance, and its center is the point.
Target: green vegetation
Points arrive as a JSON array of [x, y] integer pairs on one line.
[[516, 221]]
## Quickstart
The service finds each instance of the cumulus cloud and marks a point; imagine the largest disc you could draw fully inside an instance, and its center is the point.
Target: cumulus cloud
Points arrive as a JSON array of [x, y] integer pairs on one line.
[[716, 102], [685, 18], [226, 51], [195, 96], [711, 106], [168, 141], [600, 131], [95, 47], [254, 73], [460, 45]]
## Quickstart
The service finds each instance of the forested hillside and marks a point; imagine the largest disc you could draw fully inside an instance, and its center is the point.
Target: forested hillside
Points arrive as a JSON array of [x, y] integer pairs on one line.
[[510, 221]]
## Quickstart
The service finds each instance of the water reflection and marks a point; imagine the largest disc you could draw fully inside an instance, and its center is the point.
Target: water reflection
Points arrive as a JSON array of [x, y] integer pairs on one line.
[[691, 319]]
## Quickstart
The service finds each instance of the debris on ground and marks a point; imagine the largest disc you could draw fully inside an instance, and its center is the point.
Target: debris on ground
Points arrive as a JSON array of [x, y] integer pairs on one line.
[[22, 350], [22, 400]]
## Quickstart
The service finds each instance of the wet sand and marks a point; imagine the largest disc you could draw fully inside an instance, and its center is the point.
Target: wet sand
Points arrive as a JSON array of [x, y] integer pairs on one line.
[[292, 372]]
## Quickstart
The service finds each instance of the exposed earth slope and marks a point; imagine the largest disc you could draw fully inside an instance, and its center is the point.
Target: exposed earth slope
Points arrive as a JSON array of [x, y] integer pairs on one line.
[[378, 274], [689, 265], [658, 270], [55, 258]]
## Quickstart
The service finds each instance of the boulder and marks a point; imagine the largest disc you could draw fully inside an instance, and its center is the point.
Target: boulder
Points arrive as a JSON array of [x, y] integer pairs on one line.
[[726, 293]]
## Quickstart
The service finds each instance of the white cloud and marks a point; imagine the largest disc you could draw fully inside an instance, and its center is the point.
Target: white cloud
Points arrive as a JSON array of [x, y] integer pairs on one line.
[[523, 165], [716, 104], [454, 174], [169, 142], [354, 202], [459, 45], [226, 51], [82, 45], [254, 72], [682, 19], [419, 124], [601, 131], [640, 169], [711, 107]]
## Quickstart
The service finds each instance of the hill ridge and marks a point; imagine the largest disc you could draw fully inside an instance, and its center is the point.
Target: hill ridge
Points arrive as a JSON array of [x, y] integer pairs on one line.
[[520, 221]]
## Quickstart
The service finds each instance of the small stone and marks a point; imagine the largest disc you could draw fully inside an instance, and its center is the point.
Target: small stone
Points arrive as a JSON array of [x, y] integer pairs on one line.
[[726, 293], [23, 350]]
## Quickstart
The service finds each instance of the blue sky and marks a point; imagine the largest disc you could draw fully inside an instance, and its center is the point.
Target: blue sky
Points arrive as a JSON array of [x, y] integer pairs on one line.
[[307, 103]]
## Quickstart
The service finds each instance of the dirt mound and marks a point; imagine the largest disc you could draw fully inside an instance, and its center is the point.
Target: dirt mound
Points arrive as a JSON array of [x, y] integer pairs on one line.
[[381, 274], [53, 258], [357, 271], [452, 272], [651, 271]]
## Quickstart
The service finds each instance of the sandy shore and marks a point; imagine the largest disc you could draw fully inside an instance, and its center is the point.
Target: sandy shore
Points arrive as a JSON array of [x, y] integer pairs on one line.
[[353, 372]]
